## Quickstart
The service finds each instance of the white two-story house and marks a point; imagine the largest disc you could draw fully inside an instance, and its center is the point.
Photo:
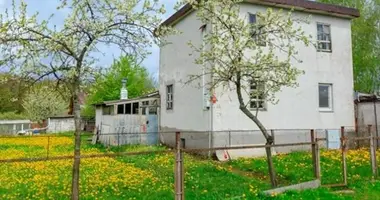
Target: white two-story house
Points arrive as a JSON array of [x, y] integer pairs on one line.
[[323, 100]]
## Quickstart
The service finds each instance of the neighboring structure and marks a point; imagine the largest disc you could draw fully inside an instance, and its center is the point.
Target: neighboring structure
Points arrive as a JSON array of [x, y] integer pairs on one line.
[[323, 99], [60, 124], [367, 110], [12, 127], [126, 120]]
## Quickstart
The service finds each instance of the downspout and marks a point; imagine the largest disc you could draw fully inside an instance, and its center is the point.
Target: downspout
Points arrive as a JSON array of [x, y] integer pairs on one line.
[[212, 91]]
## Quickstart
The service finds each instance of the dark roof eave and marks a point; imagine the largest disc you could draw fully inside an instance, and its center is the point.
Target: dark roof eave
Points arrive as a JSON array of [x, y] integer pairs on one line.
[[301, 5]]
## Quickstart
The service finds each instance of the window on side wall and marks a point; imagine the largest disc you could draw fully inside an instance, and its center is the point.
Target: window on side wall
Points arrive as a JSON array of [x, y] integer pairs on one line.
[[135, 108], [108, 110], [256, 32], [120, 109], [257, 99], [325, 97], [128, 109], [324, 37], [169, 97]]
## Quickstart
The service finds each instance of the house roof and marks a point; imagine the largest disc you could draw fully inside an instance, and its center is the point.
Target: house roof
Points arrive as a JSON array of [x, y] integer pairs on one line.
[[300, 5], [149, 95]]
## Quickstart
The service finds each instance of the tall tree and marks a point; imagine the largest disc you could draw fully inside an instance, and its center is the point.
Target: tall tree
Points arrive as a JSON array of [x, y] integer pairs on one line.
[[107, 86], [238, 54], [66, 51], [365, 43]]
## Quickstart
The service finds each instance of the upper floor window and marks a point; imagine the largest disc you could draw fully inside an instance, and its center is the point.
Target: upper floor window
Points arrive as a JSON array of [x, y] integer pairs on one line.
[[324, 37], [257, 100], [169, 97], [257, 33], [325, 97]]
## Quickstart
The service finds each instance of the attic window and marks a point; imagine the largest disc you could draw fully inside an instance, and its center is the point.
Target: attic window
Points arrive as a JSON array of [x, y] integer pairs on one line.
[[324, 37]]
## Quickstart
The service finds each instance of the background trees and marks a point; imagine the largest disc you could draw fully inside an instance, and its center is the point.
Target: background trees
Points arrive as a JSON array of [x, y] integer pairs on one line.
[[365, 43], [107, 85]]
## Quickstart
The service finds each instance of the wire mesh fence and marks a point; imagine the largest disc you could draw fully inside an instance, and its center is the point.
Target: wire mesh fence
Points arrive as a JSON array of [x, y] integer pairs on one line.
[[130, 168]]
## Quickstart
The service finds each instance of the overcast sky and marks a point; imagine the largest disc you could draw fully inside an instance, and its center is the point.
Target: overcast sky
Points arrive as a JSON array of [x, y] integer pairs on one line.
[[46, 7]]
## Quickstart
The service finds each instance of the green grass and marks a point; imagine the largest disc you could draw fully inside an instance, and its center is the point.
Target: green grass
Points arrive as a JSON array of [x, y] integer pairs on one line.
[[151, 176]]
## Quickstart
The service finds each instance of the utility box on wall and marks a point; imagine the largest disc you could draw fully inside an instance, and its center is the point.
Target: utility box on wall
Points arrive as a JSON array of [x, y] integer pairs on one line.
[[333, 139]]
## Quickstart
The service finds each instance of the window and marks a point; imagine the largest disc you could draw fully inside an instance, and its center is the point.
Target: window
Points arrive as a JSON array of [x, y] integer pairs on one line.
[[256, 32], [324, 37], [108, 110], [169, 97], [257, 100], [128, 109], [144, 106], [120, 109], [135, 108], [325, 97]]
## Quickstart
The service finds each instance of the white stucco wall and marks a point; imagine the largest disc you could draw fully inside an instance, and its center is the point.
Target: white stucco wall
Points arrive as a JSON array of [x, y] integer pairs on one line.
[[175, 67], [298, 108]]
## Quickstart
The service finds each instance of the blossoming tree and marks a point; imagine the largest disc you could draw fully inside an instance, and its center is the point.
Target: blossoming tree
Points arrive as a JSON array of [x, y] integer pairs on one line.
[[240, 52], [68, 51]]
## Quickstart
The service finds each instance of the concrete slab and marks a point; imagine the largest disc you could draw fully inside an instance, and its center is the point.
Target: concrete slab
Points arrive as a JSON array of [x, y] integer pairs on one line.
[[224, 155], [301, 186]]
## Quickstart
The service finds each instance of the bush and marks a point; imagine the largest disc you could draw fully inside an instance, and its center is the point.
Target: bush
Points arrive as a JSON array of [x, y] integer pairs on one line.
[[12, 116]]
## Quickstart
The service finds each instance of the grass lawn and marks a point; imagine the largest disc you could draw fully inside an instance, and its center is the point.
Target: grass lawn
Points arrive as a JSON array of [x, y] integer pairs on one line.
[[151, 176]]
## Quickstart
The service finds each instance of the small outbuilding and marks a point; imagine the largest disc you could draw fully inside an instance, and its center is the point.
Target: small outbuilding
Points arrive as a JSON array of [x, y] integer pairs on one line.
[[129, 121]]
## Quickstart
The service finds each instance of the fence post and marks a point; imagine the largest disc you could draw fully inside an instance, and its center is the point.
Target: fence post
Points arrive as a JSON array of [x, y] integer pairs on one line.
[[118, 140], [178, 175], [372, 152], [272, 134], [318, 160], [343, 146], [48, 147], [313, 152], [229, 138]]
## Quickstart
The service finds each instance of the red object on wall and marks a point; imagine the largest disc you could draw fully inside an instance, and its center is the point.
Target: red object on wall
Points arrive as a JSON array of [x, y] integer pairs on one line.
[[213, 99]]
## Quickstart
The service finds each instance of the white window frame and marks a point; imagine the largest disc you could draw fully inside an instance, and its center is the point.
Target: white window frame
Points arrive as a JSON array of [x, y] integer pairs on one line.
[[169, 97], [330, 108], [256, 97], [328, 41]]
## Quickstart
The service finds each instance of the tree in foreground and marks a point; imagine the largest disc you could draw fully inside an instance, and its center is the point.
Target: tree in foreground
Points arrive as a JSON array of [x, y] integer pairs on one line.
[[107, 85], [67, 51], [43, 102], [254, 51]]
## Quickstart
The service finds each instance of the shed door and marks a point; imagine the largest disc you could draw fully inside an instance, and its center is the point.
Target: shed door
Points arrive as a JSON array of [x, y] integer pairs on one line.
[[152, 129]]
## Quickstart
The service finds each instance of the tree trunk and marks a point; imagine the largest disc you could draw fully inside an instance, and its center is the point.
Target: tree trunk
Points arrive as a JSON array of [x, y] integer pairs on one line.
[[76, 165], [269, 138]]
